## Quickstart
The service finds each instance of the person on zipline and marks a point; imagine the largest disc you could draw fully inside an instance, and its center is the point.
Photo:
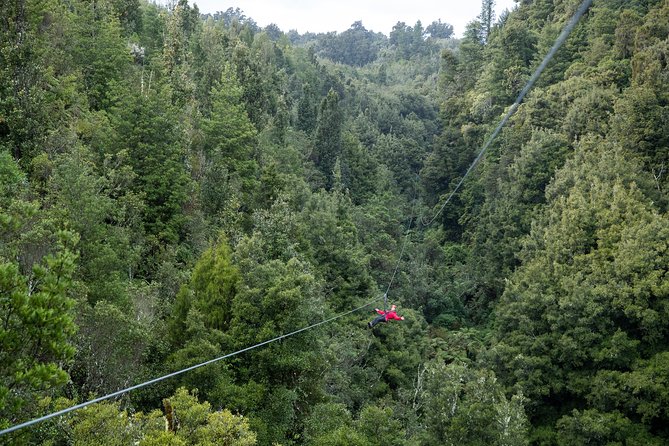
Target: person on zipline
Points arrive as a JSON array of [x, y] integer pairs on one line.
[[385, 316]]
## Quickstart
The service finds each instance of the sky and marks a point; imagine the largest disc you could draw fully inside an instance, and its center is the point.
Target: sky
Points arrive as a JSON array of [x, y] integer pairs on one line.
[[338, 15]]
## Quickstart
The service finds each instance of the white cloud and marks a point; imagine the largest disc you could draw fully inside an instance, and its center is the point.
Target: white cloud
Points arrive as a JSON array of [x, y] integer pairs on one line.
[[339, 15]]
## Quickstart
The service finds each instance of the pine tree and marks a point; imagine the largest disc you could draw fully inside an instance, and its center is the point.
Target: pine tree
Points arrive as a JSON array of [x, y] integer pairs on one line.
[[212, 289], [229, 144], [36, 329], [146, 127], [328, 144], [487, 17]]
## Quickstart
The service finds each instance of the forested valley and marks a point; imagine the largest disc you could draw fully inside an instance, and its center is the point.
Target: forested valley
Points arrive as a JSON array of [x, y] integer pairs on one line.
[[176, 186]]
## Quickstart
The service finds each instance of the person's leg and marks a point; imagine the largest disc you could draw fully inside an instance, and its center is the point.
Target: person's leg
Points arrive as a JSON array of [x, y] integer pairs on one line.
[[380, 318]]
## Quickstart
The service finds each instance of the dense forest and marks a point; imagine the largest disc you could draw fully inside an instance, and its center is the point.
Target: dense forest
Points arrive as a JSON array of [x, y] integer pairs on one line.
[[176, 186]]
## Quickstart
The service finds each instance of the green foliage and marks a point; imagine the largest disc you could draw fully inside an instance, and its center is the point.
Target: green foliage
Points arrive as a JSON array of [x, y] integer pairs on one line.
[[103, 221], [254, 65], [180, 26], [196, 424], [307, 111], [355, 46], [332, 424], [588, 295], [510, 53], [36, 96], [148, 131], [409, 41], [330, 242], [129, 15], [110, 348], [100, 50], [145, 127], [328, 144], [275, 298], [471, 53], [439, 30], [487, 16], [229, 147], [211, 292], [379, 426], [512, 203], [594, 427], [438, 279], [186, 422], [462, 405], [324, 420], [640, 123], [36, 330], [103, 424]]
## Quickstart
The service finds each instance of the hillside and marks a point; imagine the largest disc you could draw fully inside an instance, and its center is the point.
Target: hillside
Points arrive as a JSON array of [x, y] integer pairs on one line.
[[175, 187]]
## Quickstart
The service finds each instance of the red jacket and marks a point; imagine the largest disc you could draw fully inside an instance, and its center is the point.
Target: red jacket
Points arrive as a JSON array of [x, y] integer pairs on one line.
[[389, 314]]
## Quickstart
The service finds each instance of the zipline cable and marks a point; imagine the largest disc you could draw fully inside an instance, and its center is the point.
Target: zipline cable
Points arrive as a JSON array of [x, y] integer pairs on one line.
[[558, 43], [173, 374], [530, 83], [404, 244]]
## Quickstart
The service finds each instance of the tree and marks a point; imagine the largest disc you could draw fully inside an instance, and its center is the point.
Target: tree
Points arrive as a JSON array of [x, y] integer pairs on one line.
[[330, 243], [180, 26], [355, 46], [513, 200], [145, 127], [487, 16], [328, 423], [103, 218], [110, 349], [471, 53], [510, 54], [593, 426], [359, 170], [409, 40], [274, 384], [213, 286], [37, 88], [253, 62], [307, 108], [100, 50], [586, 300], [463, 405], [328, 144], [185, 422], [439, 30], [201, 314], [197, 424], [229, 146], [640, 122], [36, 330], [381, 427], [129, 15]]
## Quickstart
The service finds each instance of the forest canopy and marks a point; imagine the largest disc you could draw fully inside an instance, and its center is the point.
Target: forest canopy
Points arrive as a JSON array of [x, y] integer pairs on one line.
[[176, 186]]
